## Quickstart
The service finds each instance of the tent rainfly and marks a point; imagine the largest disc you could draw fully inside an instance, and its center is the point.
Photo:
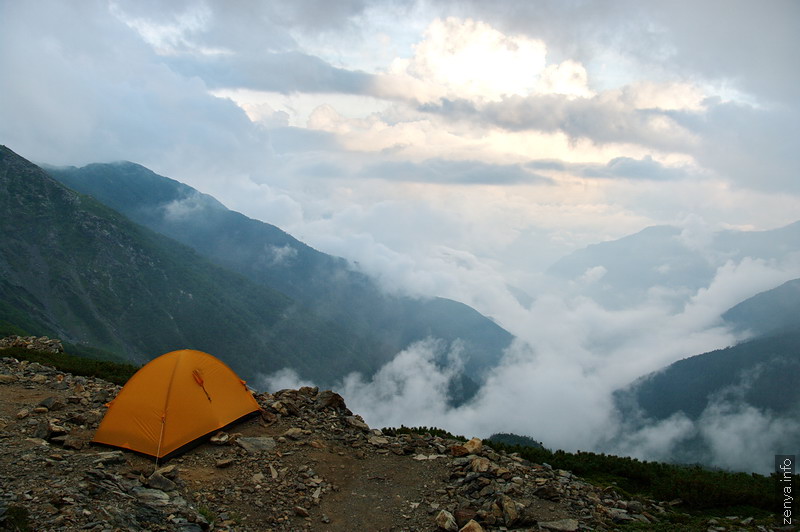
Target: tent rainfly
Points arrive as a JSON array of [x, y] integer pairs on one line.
[[173, 401]]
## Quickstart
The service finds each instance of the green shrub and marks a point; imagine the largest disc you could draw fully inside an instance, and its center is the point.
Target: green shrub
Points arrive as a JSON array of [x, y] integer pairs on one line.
[[103, 369]]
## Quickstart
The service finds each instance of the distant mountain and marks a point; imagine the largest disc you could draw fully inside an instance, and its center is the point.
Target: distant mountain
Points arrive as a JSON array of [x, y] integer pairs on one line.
[[74, 268], [763, 373], [620, 272], [270, 257], [768, 312]]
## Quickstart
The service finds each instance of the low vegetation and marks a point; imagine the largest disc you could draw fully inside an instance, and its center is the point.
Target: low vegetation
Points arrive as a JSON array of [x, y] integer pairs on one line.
[[693, 488], [115, 372]]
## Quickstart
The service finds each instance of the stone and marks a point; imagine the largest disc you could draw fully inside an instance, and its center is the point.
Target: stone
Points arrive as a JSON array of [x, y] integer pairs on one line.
[[160, 482], [463, 515], [635, 507], [329, 399], [446, 521], [22, 414], [562, 525], [471, 526], [619, 515], [109, 457], [256, 444], [75, 442], [51, 403], [220, 438], [357, 422], [300, 511], [7, 379], [548, 492], [225, 462], [151, 496], [474, 446], [509, 507], [378, 441], [168, 471], [480, 465], [293, 433]]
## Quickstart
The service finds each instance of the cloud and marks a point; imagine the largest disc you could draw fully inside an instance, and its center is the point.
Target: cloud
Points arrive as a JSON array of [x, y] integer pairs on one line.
[[729, 433], [282, 72], [604, 118], [453, 172], [115, 100], [556, 381]]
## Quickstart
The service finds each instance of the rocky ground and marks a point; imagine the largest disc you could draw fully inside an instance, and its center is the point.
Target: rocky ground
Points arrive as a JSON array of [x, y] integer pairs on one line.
[[305, 463]]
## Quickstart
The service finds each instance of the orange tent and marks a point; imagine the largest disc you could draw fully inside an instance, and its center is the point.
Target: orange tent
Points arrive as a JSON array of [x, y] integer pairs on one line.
[[173, 401]]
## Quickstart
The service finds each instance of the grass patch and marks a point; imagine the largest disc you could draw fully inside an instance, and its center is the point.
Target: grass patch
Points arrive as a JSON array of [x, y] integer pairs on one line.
[[115, 372]]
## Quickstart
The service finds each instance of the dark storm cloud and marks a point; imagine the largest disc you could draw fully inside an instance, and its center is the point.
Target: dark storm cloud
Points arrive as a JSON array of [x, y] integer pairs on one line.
[[442, 171]]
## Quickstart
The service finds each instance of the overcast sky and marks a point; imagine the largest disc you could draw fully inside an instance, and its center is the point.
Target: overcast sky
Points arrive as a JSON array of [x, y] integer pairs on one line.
[[452, 148]]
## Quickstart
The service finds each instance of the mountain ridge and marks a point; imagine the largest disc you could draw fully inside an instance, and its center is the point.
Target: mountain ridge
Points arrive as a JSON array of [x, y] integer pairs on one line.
[[271, 257], [74, 268]]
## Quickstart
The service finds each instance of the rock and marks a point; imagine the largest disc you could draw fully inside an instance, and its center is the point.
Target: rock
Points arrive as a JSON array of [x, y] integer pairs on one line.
[[458, 450], [110, 457], [509, 507], [378, 441], [75, 442], [471, 526], [619, 515], [151, 496], [220, 438], [160, 482], [329, 399], [463, 515], [445, 521], [635, 507], [294, 433], [256, 444], [480, 465], [357, 422], [300, 511], [22, 414], [168, 471], [473, 446], [7, 379], [51, 403], [548, 492], [562, 525], [225, 462]]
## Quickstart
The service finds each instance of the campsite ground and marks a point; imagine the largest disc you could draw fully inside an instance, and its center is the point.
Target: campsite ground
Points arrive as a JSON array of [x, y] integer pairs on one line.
[[307, 463], [322, 472]]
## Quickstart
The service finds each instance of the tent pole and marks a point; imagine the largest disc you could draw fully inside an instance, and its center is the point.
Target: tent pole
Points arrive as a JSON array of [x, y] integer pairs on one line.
[[160, 438]]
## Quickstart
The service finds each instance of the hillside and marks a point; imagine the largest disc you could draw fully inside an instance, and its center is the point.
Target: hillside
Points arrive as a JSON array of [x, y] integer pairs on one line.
[[267, 255], [769, 312], [762, 373], [73, 268], [307, 463]]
